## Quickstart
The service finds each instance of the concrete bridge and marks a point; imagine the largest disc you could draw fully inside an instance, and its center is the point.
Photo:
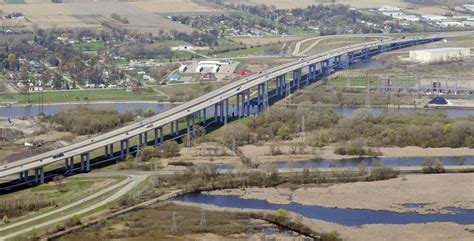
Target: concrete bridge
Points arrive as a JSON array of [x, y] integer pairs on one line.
[[288, 77]]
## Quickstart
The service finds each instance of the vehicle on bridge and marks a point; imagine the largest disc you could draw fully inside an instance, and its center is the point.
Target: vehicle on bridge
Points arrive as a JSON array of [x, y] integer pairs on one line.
[[55, 156]]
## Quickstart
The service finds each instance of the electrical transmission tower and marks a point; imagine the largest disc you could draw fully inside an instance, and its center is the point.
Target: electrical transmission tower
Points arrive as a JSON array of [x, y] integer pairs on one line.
[[367, 94], [202, 222], [174, 229]]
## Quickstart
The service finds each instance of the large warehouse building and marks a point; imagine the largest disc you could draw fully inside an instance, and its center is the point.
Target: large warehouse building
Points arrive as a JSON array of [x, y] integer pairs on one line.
[[439, 55]]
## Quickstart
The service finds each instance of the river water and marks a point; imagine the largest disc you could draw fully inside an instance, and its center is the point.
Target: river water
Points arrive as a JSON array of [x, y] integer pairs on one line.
[[368, 162], [52, 109], [348, 217]]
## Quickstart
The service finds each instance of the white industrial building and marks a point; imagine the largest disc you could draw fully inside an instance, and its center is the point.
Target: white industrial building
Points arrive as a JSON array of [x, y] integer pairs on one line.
[[439, 55], [212, 64], [432, 17]]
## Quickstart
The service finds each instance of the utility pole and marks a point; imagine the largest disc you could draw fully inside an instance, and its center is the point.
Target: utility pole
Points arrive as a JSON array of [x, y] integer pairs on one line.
[[302, 129], [367, 89], [174, 229], [202, 222]]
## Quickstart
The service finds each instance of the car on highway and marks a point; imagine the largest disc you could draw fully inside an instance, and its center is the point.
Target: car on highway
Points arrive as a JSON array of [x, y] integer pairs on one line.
[[58, 155], [148, 125]]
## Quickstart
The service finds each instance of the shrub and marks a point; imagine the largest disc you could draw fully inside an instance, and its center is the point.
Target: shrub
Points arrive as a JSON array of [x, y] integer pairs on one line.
[[331, 236], [281, 214], [6, 219], [147, 153], [433, 166], [168, 149], [382, 173]]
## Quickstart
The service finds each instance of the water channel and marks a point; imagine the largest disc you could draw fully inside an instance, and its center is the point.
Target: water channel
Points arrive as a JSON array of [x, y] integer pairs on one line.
[[348, 217]]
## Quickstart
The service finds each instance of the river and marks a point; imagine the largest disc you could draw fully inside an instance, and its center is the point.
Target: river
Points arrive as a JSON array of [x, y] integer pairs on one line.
[[348, 217], [369, 162], [52, 109]]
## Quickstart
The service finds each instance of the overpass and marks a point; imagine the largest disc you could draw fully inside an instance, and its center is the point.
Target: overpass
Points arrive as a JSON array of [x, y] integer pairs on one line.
[[288, 77]]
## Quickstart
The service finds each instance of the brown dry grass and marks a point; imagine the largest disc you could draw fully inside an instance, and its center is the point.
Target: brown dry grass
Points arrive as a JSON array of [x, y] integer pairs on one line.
[[268, 39], [143, 16], [304, 3]]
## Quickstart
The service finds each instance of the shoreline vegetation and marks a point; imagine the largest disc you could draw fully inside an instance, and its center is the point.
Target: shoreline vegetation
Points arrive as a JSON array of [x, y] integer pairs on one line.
[[207, 179]]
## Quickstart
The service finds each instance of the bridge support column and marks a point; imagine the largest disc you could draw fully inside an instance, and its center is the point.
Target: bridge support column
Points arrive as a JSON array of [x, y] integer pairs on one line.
[[155, 132], [111, 151], [140, 141], [248, 102], [106, 151], [176, 126], [226, 115], [282, 84], [221, 111], [145, 138], [204, 118], [265, 95], [300, 78], [350, 57], [259, 97], [188, 127], [238, 105], [193, 124], [70, 165], [124, 149], [85, 162], [161, 135], [39, 175], [24, 176]]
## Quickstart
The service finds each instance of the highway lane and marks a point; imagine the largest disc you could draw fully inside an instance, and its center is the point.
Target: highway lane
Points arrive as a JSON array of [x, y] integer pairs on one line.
[[185, 109], [64, 208], [127, 184]]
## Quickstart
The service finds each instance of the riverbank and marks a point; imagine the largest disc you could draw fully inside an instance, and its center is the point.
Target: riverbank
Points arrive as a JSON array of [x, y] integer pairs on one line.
[[430, 194], [263, 153]]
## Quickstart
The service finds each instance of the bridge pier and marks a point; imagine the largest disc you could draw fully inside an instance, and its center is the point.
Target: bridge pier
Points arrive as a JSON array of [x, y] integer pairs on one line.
[[282, 84], [221, 111], [39, 175], [238, 104], [226, 103], [124, 149], [140, 141], [188, 126], [203, 121], [248, 102], [311, 74], [350, 57], [297, 78], [265, 95], [69, 163], [111, 151], [85, 162], [176, 127], [216, 105], [106, 152], [145, 138], [24, 176], [193, 124]]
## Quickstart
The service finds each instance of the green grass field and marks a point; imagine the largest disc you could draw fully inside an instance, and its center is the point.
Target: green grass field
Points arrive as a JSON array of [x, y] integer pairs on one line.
[[249, 51], [92, 46], [15, 1]]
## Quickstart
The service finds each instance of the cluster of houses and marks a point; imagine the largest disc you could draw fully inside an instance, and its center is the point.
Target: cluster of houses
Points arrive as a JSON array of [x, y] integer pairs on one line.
[[457, 21]]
